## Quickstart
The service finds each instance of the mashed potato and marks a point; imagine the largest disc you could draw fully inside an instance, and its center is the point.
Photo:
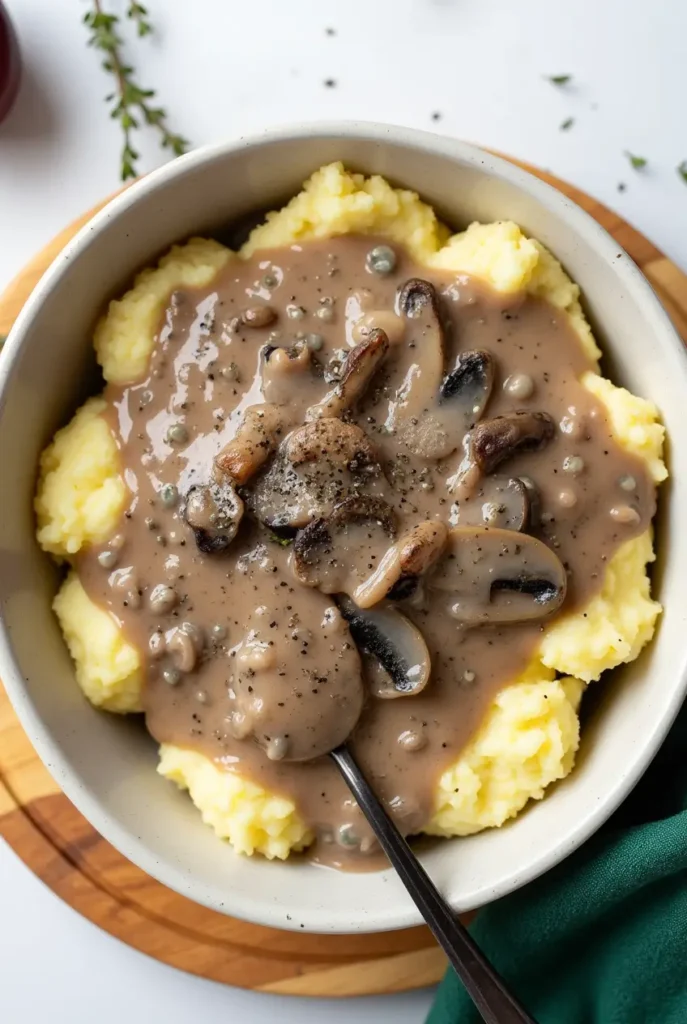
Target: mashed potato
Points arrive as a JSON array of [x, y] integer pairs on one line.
[[615, 625], [336, 202], [634, 421], [124, 337], [527, 741], [80, 493], [108, 669], [531, 733], [253, 820]]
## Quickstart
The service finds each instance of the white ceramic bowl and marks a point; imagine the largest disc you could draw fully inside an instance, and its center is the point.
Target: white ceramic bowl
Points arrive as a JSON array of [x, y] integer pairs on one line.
[[106, 765]]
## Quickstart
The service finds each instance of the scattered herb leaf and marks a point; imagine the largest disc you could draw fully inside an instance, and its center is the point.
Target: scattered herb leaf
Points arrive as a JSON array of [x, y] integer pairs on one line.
[[682, 170], [558, 79], [138, 13], [131, 105], [567, 124], [3, 339], [638, 162], [282, 541]]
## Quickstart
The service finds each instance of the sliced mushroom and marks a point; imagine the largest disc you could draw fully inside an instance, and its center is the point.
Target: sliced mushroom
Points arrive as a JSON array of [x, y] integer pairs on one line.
[[509, 503], [213, 512], [431, 412], [358, 370], [256, 438], [498, 576], [343, 444], [492, 442], [317, 466], [411, 410], [399, 571], [467, 388], [386, 320], [418, 298], [394, 642], [327, 552]]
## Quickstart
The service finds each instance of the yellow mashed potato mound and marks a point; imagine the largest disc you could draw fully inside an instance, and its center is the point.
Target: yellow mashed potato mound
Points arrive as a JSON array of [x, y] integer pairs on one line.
[[124, 336], [615, 625], [80, 492], [528, 740], [253, 820], [108, 669], [634, 421], [530, 735], [336, 202]]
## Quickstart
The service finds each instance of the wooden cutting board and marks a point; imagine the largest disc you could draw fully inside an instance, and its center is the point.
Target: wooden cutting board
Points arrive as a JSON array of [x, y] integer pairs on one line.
[[66, 853]]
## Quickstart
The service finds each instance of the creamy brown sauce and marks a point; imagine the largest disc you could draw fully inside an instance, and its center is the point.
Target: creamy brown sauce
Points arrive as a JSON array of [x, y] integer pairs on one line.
[[247, 656]]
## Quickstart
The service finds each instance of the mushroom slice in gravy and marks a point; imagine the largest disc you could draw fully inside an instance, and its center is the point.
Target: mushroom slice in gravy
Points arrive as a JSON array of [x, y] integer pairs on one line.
[[509, 503], [467, 388], [493, 441], [432, 411], [399, 571], [316, 466], [255, 440], [395, 643], [333, 553], [498, 576], [358, 370], [213, 512], [411, 410]]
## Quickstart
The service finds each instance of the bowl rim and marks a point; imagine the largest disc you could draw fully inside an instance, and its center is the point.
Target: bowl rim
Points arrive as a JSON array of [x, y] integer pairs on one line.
[[402, 913]]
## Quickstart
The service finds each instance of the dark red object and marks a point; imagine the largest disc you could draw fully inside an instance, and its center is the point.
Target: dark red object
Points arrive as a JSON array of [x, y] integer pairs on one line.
[[10, 64]]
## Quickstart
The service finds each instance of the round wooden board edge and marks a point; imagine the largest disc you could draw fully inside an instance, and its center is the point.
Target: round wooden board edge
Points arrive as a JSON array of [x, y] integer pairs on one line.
[[62, 869]]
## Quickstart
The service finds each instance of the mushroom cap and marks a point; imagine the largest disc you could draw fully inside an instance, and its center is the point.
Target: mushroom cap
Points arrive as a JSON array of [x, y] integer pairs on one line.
[[394, 641], [358, 370], [499, 576], [413, 411], [467, 388], [417, 297], [317, 466], [257, 436], [433, 411], [502, 437], [319, 541], [399, 571], [493, 441], [214, 513], [509, 503], [329, 438]]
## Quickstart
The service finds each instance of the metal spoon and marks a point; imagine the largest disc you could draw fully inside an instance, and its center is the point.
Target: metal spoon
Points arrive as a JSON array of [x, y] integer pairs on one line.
[[483, 984]]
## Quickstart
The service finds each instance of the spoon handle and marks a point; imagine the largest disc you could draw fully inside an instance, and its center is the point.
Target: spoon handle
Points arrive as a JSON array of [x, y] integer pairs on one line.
[[485, 987]]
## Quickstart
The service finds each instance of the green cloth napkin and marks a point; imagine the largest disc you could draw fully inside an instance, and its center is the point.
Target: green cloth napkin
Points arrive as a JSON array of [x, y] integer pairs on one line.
[[602, 938]]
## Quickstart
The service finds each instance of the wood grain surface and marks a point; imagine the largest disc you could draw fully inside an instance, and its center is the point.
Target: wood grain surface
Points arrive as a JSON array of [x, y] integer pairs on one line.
[[66, 853]]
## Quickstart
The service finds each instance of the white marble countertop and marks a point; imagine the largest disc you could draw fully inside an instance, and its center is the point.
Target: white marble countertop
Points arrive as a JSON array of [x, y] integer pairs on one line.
[[224, 69]]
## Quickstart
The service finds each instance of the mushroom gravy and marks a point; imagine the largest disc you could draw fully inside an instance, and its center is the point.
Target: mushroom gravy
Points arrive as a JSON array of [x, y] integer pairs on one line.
[[360, 490]]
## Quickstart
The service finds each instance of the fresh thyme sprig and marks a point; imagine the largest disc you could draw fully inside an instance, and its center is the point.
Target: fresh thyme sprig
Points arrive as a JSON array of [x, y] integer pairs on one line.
[[131, 105], [138, 13]]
